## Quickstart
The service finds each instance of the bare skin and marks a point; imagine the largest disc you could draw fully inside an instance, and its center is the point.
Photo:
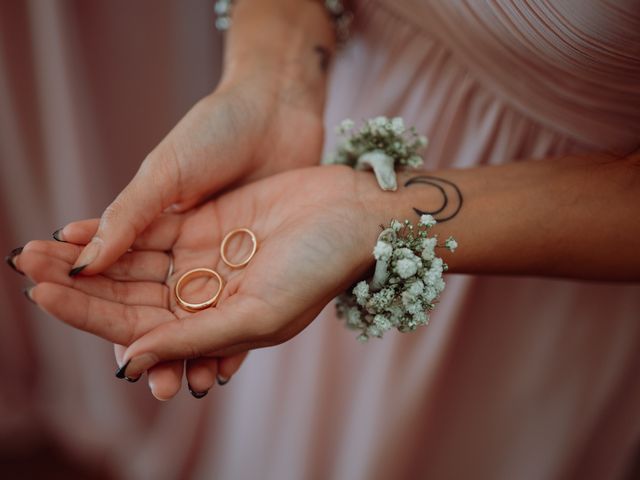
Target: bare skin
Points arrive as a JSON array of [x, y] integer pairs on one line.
[[557, 217], [264, 117]]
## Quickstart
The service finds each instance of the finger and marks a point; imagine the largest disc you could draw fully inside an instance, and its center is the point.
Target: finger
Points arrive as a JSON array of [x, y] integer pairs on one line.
[[151, 190], [201, 375], [132, 266], [165, 379], [115, 322], [79, 232], [118, 352], [43, 268], [207, 331], [161, 234], [228, 366]]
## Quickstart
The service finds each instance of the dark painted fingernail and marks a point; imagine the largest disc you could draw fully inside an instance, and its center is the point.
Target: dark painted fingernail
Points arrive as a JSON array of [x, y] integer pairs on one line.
[[27, 293], [222, 380], [9, 259], [197, 394], [120, 372], [132, 380], [75, 271], [57, 237]]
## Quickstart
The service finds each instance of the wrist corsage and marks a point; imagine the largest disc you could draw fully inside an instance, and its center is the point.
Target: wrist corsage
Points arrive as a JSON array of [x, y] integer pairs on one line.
[[406, 284], [380, 144]]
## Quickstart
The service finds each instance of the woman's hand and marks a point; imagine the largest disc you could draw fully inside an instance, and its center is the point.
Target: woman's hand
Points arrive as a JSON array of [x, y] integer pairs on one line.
[[314, 233], [237, 134], [264, 117]]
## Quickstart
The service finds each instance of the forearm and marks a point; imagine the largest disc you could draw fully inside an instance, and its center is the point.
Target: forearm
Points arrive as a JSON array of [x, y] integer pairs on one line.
[[573, 217], [285, 43]]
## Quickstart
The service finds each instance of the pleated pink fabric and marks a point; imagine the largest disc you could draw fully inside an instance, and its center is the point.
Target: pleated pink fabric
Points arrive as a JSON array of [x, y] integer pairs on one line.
[[523, 378]]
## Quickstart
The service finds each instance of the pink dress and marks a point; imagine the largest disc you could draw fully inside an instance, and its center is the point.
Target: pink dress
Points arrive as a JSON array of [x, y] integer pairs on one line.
[[525, 378]]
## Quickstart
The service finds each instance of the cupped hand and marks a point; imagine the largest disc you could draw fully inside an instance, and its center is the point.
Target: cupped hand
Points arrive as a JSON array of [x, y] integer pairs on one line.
[[245, 130], [314, 233], [133, 289]]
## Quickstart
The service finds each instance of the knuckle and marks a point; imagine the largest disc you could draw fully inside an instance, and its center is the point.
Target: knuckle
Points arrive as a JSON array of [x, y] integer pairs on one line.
[[35, 246], [131, 321], [117, 214]]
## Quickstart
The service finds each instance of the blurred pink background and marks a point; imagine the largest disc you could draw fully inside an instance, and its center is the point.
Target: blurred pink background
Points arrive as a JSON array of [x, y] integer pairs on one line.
[[87, 89]]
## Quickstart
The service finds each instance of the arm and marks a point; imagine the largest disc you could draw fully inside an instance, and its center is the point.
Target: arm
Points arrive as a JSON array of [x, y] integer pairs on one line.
[[575, 216], [265, 116]]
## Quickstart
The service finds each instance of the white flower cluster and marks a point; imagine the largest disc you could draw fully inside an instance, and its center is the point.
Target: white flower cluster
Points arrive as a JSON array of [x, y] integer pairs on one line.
[[406, 284], [389, 136]]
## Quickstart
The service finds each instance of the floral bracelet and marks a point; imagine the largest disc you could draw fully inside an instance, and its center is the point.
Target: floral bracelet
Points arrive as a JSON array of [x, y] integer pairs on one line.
[[406, 284], [407, 281]]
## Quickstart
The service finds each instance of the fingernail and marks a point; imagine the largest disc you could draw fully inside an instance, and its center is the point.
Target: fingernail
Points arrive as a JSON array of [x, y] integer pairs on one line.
[[132, 380], [87, 256], [222, 380], [12, 255], [197, 394], [138, 365], [120, 372], [75, 271], [57, 235], [27, 293]]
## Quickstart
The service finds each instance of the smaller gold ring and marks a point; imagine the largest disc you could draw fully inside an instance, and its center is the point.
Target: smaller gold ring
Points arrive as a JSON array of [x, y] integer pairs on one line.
[[228, 236], [198, 272]]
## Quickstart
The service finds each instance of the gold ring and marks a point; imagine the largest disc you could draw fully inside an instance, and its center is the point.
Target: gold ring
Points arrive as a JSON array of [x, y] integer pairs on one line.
[[228, 236], [198, 272]]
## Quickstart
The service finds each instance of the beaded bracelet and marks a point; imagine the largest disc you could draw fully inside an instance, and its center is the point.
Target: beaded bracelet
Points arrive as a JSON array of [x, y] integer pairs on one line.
[[340, 17]]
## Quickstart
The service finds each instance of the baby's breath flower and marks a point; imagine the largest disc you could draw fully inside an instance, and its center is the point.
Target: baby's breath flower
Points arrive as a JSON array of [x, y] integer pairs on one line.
[[415, 161], [397, 125], [361, 291], [382, 251], [382, 322], [380, 144], [354, 318], [420, 318], [451, 244], [430, 293], [428, 248], [416, 288], [404, 296], [427, 220], [406, 268], [396, 225]]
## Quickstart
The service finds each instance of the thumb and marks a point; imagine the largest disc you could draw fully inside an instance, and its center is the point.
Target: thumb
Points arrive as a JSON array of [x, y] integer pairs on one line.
[[148, 193], [238, 324]]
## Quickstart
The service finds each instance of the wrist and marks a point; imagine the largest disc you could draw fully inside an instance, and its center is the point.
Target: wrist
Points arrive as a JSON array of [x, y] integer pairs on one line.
[[283, 43]]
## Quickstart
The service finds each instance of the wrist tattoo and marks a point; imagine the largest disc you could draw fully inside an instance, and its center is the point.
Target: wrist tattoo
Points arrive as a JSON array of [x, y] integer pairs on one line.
[[324, 55], [451, 197]]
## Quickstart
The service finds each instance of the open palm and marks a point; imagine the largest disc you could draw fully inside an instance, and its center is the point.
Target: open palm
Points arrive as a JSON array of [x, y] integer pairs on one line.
[[311, 233]]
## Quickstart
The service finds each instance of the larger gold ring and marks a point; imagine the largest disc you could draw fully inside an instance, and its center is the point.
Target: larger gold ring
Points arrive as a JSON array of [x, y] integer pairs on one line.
[[228, 236], [198, 272]]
